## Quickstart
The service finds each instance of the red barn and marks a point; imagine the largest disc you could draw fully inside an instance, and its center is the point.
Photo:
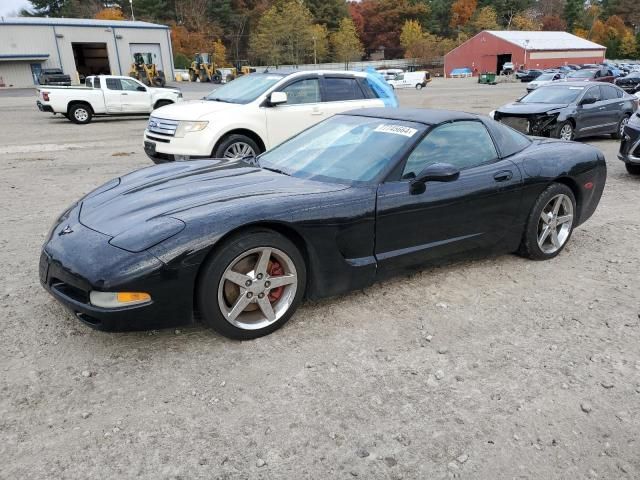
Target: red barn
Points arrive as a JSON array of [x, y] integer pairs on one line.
[[489, 50]]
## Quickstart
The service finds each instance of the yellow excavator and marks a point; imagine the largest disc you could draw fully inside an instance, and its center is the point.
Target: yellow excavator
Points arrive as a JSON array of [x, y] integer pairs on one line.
[[145, 70], [204, 69]]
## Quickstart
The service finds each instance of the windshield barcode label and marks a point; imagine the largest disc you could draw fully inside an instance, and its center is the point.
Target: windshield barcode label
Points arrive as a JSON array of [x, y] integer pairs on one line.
[[396, 129]]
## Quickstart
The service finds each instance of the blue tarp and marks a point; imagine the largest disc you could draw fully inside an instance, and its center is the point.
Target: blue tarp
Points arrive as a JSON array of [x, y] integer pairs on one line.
[[382, 88], [460, 71]]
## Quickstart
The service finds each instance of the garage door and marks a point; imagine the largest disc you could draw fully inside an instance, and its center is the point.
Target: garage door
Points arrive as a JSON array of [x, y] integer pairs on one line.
[[153, 48]]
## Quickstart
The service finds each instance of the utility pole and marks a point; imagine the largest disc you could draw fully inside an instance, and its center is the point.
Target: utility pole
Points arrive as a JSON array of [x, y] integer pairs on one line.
[[315, 56], [133, 17]]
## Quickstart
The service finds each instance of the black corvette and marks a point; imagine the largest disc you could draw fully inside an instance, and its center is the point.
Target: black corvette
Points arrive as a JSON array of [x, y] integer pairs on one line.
[[355, 199]]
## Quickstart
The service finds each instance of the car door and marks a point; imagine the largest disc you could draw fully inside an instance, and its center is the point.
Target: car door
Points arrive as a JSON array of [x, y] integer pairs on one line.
[[613, 107], [303, 109], [590, 116], [135, 97], [342, 93], [112, 95], [474, 212]]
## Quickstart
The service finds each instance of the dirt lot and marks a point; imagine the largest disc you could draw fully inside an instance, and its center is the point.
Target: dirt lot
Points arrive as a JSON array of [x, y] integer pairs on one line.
[[500, 368]]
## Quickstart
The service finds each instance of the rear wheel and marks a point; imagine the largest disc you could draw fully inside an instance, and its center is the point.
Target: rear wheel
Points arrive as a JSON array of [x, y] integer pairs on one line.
[[632, 168], [550, 223], [80, 114], [237, 146], [564, 131], [252, 285], [203, 76], [619, 133]]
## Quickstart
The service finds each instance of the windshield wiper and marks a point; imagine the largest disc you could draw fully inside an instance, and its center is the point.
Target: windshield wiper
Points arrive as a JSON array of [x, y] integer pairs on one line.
[[277, 170], [216, 99]]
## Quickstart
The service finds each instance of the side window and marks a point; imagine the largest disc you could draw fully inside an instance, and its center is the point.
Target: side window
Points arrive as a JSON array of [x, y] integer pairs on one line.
[[593, 92], [96, 82], [400, 76], [114, 84], [129, 85], [462, 144], [303, 91], [608, 93], [366, 88], [340, 89]]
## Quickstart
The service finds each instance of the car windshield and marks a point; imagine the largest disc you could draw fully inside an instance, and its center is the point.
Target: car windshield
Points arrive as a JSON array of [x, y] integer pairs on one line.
[[545, 76], [581, 74], [343, 149], [245, 89], [553, 94]]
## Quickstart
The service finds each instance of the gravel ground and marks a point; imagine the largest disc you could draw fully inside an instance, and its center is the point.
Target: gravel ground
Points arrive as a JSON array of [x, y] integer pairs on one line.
[[497, 368]]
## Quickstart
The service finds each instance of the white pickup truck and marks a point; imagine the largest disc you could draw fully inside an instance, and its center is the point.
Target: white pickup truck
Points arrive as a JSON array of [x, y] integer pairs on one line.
[[104, 95]]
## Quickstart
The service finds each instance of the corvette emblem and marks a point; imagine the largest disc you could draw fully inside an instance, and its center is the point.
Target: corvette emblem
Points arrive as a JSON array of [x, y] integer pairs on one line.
[[66, 230]]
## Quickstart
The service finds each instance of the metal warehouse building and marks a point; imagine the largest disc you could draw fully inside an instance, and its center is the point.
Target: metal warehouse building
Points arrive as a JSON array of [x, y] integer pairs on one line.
[[78, 46], [489, 50]]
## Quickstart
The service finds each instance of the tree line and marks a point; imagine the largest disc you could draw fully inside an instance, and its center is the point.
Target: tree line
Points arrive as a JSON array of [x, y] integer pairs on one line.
[[275, 32]]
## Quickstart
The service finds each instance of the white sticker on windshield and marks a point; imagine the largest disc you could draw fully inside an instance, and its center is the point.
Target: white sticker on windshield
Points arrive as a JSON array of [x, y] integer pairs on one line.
[[576, 88], [396, 129]]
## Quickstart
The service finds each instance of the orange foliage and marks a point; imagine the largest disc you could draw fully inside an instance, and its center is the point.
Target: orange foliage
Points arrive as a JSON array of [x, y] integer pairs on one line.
[[110, 14], [462, 11]]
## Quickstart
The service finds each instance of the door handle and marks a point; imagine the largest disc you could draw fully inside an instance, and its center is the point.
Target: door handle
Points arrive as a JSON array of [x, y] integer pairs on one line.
[[124, 94], [503, 176], [602, 108]]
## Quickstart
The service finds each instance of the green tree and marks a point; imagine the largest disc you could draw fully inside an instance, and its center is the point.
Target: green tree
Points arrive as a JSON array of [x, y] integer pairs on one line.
[[485, 18], [327, 12], [572, 11], [284, 34], [320, 37], [64, 8], [345, 43]]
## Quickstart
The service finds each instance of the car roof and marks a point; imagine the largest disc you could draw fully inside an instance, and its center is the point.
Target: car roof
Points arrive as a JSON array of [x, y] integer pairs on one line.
[[287, 72], [570, 84], [419, 115]]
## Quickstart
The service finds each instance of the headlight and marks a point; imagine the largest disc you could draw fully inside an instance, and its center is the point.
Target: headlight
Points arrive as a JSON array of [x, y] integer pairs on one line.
[[147, 234], [118, 299], [492, 114], [189, 127]]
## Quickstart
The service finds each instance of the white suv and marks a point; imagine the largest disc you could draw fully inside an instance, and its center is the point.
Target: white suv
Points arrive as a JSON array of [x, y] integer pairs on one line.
[[257, 112]]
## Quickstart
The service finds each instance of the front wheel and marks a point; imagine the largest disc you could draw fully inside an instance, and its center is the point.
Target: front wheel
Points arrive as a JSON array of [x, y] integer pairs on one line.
[[550, 223], [419, 86], [80, 114], [564, 131], [252, 285], [633, 169], [619, 133], [237, 146]]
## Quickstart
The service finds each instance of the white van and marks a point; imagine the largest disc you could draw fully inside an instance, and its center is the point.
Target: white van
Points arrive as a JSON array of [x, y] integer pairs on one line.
[[416, 80]]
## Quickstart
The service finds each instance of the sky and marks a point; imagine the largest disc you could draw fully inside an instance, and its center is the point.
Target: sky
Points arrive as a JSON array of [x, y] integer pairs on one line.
[[11, 7]]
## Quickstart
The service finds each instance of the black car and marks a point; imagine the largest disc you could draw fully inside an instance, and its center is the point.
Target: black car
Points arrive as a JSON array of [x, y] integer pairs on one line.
[[54, 76], [528, 75], [630, 145], [353, 200], [630, 83], [569, 110]]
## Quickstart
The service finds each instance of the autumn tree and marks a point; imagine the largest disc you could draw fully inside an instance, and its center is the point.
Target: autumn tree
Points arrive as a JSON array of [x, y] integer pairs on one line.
[[525, 21], [320, 37], [345, 43], [461, 12], [412, 39], [553, 23], [485, 18], [113, 13]]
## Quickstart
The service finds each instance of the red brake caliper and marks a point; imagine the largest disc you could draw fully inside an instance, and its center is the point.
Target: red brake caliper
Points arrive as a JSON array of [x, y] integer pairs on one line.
[[275, 270]]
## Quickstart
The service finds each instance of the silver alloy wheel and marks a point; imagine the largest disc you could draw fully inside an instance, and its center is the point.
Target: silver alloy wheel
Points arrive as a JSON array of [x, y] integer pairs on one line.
[[566, 132], [257, 288], [239, 150], [81, 114], [555, 223], [623, 123]]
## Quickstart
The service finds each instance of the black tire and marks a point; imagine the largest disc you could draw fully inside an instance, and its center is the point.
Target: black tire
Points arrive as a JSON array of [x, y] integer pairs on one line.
[[618, 133], [162, 103], [217, 79], [214, 268], [159, 82], [419, 86], [558, 131], [228, 141], [192, 76], [529, 246], [80, 113], [633, 169], [203, 76]]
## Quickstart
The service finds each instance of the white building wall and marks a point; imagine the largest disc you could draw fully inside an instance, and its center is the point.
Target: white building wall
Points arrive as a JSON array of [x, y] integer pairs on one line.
[[56, 40]]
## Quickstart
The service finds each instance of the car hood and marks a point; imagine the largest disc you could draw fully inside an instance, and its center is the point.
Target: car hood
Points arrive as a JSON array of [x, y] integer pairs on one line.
[[517, 108], [193, 110], [171, 190]]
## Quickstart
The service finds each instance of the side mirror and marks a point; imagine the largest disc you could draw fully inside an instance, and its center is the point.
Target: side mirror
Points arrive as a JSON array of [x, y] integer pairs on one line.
[[141, 89], [588, 101], [277, 98], [437, 172]]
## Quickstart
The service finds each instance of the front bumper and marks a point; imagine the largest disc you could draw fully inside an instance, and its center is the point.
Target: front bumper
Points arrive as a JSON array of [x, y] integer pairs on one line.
[[164, 148], [539, 125], [44, 108], [630, 145], [74, 264]]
